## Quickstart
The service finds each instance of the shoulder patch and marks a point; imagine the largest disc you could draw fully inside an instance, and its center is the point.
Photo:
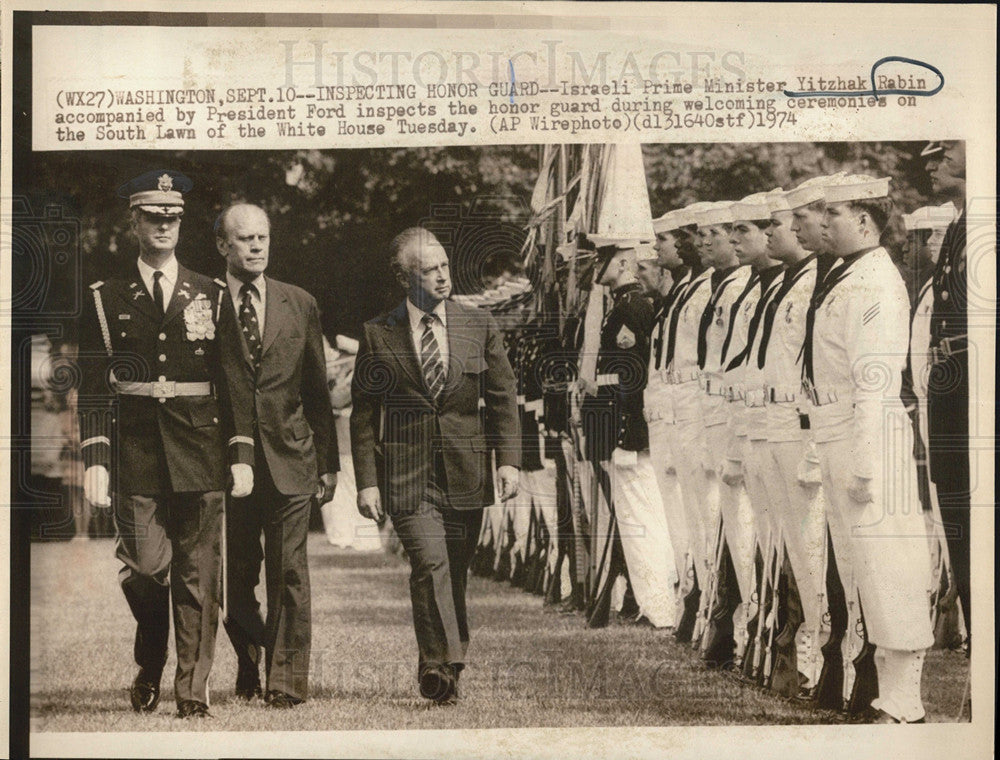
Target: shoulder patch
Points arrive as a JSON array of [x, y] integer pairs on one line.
[[96, 285]]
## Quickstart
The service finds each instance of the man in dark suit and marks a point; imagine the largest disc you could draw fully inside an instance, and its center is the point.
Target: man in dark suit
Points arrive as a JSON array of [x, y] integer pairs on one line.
[[155, 413], [283, 407], [417, 436]]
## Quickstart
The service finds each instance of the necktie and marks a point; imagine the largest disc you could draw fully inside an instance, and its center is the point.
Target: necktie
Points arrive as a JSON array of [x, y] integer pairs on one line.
[[430, 358], [158, 291], [250, 325]]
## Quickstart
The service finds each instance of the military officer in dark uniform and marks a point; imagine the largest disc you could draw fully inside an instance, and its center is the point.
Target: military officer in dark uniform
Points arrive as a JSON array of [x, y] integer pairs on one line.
[[155, 419], [948, 384], [618, 436]]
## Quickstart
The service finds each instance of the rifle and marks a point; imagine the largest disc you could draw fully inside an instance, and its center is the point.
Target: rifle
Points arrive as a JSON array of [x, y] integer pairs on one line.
[[753, 623], [612, 562], [784, 677], [830, 684], [772, 617], [945, 612], [713, 588], [685, 627], [865, 687], [757, 647]]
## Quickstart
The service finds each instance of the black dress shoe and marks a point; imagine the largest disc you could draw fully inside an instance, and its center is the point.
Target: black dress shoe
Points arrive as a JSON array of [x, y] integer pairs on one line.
[[145, 691], [437, 684], [192, 708], [281, 701], [248, 683]]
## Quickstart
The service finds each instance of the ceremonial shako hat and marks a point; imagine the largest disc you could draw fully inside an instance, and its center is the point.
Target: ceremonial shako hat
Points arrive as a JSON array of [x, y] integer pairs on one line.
[[720, 212], [930, 217], [158, 192], [752, 208], [811, 190], [856, 187]]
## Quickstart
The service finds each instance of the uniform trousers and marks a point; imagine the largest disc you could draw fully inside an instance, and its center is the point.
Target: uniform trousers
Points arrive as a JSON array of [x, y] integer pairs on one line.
[[169, 546], [645, 538], [891, 564], [286, 633], [662, 437], [699, 495], [541, 486]]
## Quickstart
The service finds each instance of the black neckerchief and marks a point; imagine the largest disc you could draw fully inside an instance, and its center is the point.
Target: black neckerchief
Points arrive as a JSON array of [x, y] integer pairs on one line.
[[661, 318], [767, 278], [692, 286], [793, 274], [718, 288]]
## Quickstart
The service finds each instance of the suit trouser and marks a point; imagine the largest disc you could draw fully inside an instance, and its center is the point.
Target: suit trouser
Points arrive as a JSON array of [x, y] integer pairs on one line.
[[645, 539], [662, 435], [286, 634], [439, 542], [170, 543]]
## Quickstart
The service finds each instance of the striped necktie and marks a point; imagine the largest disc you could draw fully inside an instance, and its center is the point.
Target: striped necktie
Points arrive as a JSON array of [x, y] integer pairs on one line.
[[430, 358]]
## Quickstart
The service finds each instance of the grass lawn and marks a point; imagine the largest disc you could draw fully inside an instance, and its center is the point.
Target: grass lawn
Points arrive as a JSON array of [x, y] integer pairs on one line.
[[528, 667]]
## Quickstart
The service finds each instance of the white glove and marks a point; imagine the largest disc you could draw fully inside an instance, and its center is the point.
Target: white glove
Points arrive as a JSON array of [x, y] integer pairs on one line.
[[860, 490], [809, 473], [242, 480], [95, 485], [732, 473]]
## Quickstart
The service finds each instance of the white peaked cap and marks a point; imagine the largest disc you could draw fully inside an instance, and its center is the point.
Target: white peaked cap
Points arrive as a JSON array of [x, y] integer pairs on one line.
[[625, 217], [811, 190], [931, 217], [856, 187]]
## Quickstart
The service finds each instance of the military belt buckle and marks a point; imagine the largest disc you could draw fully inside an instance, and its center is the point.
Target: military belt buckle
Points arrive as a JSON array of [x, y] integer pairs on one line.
[[164, 389]]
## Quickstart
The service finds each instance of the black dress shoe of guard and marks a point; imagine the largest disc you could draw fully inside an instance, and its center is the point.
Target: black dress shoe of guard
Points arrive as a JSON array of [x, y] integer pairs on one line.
[[248, 683], [145, 691], [279, 700], [192, 708], [437, 683]]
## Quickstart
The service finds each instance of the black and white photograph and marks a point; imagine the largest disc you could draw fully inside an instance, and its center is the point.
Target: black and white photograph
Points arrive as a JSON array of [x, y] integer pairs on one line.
[[579, 434]]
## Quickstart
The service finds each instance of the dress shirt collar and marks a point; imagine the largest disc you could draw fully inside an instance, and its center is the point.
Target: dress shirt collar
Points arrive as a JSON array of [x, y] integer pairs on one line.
[[416, 314], [236, 285], [169, 270]]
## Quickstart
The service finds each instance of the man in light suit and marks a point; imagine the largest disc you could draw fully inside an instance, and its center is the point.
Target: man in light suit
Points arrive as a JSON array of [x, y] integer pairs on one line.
[[417, 437], [284, 410]]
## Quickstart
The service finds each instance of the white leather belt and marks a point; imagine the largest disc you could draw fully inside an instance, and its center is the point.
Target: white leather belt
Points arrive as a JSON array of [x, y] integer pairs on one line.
[[681, 376], [164, 389], [754, 397], [822, 396], [716, 388], [948, 347], [611, 379], [783, 394]]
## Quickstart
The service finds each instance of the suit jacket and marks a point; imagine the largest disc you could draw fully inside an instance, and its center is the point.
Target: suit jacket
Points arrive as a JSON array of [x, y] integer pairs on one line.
[[136, 435], [397, 428], [287, 404]]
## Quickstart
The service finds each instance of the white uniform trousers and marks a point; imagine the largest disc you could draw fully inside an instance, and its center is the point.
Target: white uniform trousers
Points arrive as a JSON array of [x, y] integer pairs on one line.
[[699, 495], [734, 505], [800, 510], [899, 674], [644, 536], [662, 435], [541, 485]]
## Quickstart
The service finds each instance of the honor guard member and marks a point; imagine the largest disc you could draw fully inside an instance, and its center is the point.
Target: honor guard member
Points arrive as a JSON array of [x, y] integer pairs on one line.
[[621, 379], [926, 227], [657, 399], [948, 385], [807, 219], [859, 329], [681, 363], [745, 511], [155, 412], [786, 453], [730, 525]]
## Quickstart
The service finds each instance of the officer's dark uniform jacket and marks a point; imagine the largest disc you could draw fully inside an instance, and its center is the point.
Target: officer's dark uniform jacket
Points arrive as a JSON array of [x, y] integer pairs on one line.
[[615, 414], [157, 443], [948, 385]]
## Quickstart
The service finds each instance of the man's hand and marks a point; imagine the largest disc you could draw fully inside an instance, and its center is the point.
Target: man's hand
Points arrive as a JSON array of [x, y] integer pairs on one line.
[[242, 480], [327, 487], [809, 473], [732, 473], [508, 476], [370, 503], [95, 486], [860, 490]]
